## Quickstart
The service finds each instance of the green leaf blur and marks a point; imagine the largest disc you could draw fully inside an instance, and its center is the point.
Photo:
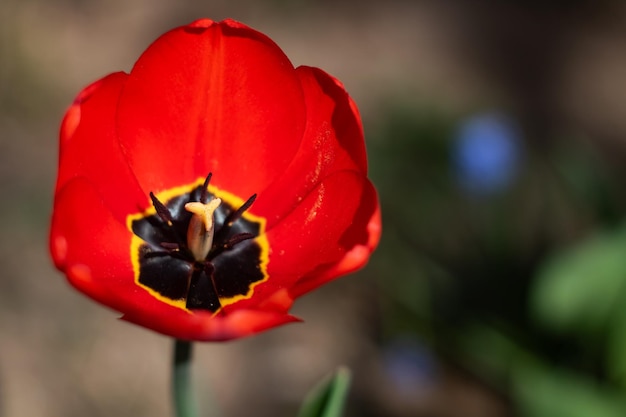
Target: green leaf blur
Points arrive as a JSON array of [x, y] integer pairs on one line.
[[328, 398]]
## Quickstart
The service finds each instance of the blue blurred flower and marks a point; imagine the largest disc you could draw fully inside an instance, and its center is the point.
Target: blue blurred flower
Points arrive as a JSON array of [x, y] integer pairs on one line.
[[486, 154], [410, 366]]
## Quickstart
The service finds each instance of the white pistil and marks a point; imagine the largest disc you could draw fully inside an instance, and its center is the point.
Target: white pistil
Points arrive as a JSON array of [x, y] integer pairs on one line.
[[201, 227]]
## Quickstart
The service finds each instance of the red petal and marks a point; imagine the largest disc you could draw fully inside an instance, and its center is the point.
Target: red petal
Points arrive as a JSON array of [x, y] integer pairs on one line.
[[93, 249], [368, 219], [328, 224], [84, 232], [333, 141], [328, 101], [202, 326], [327, 177], [211, 97], [89, 148]]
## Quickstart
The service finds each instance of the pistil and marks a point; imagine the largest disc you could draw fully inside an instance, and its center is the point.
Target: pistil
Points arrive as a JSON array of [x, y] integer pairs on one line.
[[201, 227]]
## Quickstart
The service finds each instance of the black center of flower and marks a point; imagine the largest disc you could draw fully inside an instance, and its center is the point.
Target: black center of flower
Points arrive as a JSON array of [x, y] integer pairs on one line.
[[171, 268]]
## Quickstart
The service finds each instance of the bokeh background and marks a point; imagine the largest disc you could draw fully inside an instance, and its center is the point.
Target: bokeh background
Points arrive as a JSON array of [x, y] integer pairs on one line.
[[497, 139]]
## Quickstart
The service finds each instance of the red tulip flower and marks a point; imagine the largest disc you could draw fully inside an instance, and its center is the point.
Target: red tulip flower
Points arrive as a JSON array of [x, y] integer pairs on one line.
[[203, 192]]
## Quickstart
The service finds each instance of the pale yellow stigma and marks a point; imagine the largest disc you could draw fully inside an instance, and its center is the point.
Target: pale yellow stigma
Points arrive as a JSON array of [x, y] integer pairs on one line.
[[201, 227]]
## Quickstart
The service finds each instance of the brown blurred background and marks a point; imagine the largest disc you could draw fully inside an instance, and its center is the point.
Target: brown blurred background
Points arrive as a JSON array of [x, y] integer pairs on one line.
[[431, 327]]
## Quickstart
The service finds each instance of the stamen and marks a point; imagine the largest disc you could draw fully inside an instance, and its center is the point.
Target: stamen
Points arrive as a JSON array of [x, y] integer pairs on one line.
[[232, 218], [238, 238], [235, 215], [156, 254], [201, 227], [204, 194], [162, 211], [170, 245], [209, 268], [230, 243]]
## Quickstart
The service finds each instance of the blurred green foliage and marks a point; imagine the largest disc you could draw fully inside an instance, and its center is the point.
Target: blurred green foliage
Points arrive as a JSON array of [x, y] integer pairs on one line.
[[329, 397], [523, 287]]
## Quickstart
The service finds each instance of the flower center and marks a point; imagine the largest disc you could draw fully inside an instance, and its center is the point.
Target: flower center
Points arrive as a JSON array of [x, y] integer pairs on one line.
[[194, 250]]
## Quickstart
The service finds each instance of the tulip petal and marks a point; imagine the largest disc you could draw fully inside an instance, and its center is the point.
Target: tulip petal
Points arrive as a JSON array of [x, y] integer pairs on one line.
[[93, 249], [85, 232], [327, 101], [328, 229], [211, 97], [89, 148], [368, 220], [202, 326], [333, 141]]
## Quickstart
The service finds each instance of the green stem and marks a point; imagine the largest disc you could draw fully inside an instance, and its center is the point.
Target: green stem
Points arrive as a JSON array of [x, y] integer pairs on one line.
[[184, 404]]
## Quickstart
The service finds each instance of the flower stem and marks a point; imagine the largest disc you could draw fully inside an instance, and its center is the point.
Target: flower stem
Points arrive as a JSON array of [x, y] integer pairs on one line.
[[184, 404]]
